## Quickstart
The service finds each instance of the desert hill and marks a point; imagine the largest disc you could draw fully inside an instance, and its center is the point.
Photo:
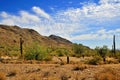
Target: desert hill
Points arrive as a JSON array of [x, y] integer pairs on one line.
[[10, 38], [10, 35], [59, 39]]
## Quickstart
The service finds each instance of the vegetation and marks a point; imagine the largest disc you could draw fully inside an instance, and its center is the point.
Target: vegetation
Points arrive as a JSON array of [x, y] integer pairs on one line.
[[2, 76], [38, 47], [58, 72], [79, 67], [102, 52], [81, 51], [117, 55], [36, 52], [106, 74], [95, 61]]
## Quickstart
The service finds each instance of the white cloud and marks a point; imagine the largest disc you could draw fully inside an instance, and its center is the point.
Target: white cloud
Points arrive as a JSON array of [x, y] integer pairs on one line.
[[24, 18], [98, 35], [8, 22], [117, 30], [109, 1], [27, 17], [41, 12], [102, 31], [4, 14], [73, 23], [85, 37]]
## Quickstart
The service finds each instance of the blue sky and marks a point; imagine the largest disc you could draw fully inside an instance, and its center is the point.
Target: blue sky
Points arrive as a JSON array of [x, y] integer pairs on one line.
[[89, 22]]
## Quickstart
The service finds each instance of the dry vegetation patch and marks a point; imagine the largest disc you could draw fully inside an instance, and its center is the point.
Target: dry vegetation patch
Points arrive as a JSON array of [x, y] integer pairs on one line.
[[2, 76], [59, 72], [107, 74]]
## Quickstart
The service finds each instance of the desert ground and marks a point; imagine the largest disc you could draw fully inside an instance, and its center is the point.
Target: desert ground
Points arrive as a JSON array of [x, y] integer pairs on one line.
[[33, 70]]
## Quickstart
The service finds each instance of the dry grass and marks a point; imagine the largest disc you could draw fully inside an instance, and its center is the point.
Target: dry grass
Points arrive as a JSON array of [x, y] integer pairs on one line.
[[80, 67], [2, 76], [106, 74], [11, 73], [58, 72]]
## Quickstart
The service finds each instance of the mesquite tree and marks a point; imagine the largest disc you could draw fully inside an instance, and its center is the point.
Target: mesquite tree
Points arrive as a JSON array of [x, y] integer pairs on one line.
[[102, 51]]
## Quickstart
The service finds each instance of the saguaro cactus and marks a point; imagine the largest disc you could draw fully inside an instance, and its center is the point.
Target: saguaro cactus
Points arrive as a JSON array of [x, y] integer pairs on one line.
[[114, 45], [21, 47], [68, 60]]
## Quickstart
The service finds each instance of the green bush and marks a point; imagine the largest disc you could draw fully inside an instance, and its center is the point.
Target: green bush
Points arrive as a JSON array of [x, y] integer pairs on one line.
[[95, 61], [117, 56], [36, 52], [62, 52], [103, 52]]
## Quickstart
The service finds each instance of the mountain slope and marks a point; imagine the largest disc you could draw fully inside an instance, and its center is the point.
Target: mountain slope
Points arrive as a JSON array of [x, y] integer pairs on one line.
[[10, 40], [10, 35], [60, 39]]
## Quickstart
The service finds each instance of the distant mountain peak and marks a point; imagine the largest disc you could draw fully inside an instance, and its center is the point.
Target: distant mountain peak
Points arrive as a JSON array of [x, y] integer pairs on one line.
[[60, 39], [11, 34]]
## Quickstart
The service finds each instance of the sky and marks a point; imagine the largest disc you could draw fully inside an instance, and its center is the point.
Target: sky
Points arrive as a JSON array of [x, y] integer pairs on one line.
[[88, 22]]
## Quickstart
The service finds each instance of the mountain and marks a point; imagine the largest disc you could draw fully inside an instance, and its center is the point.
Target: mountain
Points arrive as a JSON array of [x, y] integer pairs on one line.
[[60, 39], [10, 40], [10, 36]]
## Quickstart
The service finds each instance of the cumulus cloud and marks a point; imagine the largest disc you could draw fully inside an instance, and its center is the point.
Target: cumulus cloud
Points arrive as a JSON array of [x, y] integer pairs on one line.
[[109, 1], [24, 18], [98, 35], [27, 17], [89, 22], [41, 12], [4, 14], [8, 22]]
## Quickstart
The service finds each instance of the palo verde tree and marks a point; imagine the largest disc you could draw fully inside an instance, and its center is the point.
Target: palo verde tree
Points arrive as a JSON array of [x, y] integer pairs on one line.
[[102, 51], [63, 52], [78, 50], [36, 52]]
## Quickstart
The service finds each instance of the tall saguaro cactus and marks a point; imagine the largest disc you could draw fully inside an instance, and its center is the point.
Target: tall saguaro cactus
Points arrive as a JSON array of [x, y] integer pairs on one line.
[[21, 46], [68, 60], [114, 45]]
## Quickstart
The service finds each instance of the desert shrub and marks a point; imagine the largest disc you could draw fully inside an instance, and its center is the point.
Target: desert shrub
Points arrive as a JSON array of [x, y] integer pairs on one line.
[[119, 59], [64, 77], [62, 51], [51, 49], [46, 74], [96, 60], [106, 74], [112, 61], [60, 54], [78, 49], [2, 76], [11, 73], [48, 58], [103, 52], [37, 52], [117, 56], [79, 67]]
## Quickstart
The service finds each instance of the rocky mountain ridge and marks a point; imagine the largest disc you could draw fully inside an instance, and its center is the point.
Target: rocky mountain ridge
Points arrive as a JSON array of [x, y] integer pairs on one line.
[[10, 35]]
